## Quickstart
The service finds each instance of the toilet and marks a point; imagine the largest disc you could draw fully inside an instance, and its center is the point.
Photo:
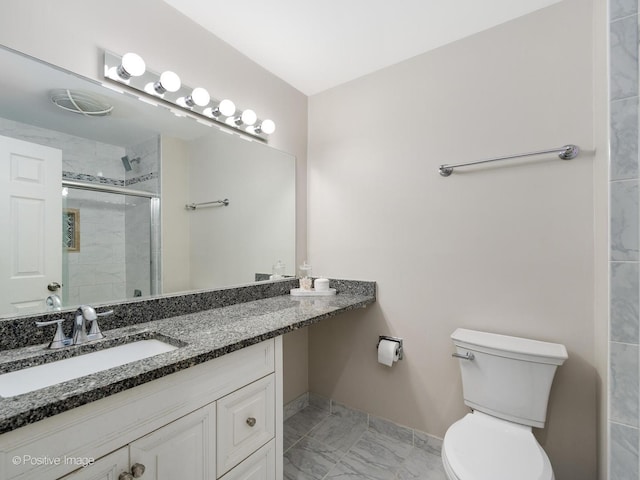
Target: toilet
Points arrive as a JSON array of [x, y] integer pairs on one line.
[[506, 382]]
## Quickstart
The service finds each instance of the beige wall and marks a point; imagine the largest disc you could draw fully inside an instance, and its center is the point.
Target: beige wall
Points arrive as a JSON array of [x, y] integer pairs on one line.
[[73, 33], [176, 274], [601, 229], [507, 248]]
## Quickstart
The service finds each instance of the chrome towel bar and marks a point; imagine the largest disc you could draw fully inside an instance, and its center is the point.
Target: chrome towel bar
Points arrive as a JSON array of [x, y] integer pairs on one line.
[[565, 153], [193, 206]]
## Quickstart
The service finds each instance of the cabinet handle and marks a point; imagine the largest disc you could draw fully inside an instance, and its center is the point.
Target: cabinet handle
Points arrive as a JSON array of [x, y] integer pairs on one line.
[[251, 421], [137, 470]]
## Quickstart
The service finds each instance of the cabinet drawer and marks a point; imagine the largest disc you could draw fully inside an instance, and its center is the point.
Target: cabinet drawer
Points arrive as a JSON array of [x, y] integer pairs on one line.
[[246, 421], [261, 465]]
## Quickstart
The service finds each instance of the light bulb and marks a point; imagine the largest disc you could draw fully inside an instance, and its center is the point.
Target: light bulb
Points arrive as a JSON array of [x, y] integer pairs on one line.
[[132, 65], [248, 117], [267, 126], [227, 108], [199, 97], [169, 82]]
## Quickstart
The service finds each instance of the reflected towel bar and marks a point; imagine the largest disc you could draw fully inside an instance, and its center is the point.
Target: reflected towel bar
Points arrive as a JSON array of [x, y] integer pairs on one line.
[[193, 206], [565, 153]]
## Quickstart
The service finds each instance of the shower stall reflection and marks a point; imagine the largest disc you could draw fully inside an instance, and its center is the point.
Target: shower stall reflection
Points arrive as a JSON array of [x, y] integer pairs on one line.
[[114, 253]]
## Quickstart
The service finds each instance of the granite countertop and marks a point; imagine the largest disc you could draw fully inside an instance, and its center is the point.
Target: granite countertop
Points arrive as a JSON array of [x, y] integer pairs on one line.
[[200, 336]]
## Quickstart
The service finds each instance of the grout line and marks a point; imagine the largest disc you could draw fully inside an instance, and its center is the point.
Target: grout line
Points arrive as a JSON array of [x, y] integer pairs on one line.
[[623, 424], [345, 453]]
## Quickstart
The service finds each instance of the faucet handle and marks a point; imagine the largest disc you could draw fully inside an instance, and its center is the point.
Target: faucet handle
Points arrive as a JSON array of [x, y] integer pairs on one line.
[[59, 339], [94, 331]]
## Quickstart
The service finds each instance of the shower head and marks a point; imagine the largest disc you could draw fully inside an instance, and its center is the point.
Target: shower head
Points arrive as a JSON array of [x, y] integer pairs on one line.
[[127, 163]]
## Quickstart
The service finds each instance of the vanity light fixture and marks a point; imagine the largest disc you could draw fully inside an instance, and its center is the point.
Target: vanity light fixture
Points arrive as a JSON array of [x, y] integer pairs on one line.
[[167, 90], [132, 65]]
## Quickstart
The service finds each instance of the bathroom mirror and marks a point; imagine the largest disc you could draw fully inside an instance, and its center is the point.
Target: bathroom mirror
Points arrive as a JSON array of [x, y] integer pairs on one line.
[[131, 233]]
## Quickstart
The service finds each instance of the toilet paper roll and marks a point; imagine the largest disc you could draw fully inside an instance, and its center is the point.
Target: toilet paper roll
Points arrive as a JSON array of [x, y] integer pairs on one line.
[[387, 352]]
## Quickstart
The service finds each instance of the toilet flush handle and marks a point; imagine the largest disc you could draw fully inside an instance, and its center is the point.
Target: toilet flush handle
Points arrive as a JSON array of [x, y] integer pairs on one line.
[[466, 356]]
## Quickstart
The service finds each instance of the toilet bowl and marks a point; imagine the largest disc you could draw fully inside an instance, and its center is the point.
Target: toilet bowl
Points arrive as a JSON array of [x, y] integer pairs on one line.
[[506, 382], [481, 447]]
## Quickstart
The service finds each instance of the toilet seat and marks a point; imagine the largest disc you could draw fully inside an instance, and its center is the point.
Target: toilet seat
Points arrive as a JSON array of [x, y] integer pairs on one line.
[[482, 447]]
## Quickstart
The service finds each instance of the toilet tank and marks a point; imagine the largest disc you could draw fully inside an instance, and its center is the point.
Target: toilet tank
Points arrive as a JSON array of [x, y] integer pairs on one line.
[[508, 377]]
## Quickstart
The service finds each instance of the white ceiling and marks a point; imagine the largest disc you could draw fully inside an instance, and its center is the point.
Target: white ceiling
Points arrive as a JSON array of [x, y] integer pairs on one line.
[[316, 45]]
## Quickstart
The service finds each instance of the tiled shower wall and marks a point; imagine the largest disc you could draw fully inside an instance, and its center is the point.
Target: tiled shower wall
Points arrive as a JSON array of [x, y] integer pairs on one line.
[[624, 336]]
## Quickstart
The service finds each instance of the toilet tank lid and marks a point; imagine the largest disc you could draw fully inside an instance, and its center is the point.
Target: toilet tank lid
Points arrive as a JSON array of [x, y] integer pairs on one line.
[[545, 352]]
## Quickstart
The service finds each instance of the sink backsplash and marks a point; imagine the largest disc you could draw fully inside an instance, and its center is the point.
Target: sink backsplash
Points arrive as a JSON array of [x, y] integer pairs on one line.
[[17, 332]]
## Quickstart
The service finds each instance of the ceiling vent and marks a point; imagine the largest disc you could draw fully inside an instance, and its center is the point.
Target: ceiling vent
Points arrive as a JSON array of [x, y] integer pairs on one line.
[[77, 101]]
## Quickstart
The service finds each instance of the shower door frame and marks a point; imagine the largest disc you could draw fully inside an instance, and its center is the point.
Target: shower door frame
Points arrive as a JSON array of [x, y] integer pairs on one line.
[[154, 217]]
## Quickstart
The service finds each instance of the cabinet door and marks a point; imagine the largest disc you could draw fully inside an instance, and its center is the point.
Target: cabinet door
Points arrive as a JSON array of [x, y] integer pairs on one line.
[[108, 467], [183, 449], [246, 421], [259, 466]]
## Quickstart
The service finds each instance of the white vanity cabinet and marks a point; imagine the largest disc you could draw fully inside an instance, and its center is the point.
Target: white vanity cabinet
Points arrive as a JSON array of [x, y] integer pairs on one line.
[[108, 467], [219, 419], [186, 448]]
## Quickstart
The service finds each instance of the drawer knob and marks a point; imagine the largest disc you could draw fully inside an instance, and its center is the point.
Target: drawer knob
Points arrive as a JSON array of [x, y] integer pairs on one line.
[[137, 469], [251, 421]]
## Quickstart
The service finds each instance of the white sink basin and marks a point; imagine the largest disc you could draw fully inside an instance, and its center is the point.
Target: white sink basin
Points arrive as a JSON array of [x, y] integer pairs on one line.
[[41, 376]]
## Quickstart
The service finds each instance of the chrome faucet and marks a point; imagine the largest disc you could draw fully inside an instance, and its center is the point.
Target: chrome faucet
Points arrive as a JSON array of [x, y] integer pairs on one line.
[[83, 314]]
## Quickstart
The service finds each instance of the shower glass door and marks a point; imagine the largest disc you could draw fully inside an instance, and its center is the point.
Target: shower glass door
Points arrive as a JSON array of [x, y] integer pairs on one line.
[[108, 242]]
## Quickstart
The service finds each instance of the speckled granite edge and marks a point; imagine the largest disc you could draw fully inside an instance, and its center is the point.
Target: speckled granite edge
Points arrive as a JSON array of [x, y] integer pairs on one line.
[[205, 335], [18, 332]]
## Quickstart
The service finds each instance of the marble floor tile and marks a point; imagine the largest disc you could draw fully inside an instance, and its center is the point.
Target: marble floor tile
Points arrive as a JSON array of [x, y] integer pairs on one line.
[[309, 458], [381, 451], [348, 445], [356, 471], [422, 465], [391, 429], [291, 472], [340, 432], [302, 422]]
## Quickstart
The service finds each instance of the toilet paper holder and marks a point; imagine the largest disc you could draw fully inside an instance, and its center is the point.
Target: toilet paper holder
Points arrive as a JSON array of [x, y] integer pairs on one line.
[[398, 340]]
